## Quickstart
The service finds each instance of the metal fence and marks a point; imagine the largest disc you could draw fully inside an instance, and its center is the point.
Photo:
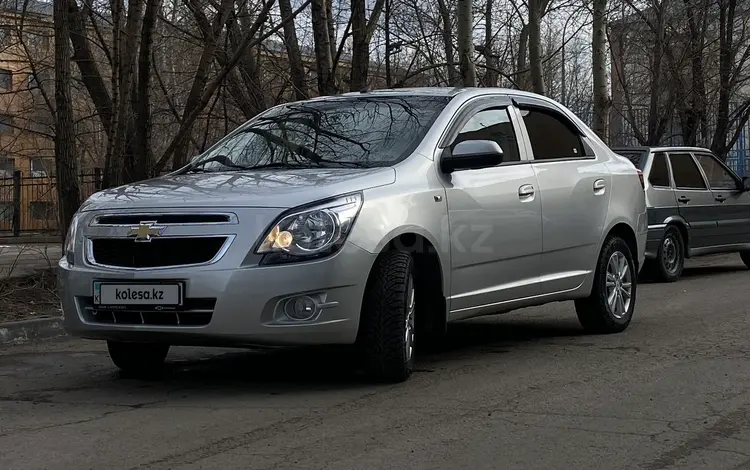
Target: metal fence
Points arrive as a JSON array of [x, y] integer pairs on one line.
[[29, 205]]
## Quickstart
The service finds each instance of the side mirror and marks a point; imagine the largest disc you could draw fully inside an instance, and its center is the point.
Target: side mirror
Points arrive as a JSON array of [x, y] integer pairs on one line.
[[746, 183], [471, 155]]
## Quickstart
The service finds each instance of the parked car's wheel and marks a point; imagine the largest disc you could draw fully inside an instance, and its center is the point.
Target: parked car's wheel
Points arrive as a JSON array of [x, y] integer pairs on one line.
[[670, 259], [610, 306], [745, 255], [386, 332], [139, 359]]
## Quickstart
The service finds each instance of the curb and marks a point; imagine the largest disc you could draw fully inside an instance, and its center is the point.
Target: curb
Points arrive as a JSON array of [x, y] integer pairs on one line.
[[31, 330]]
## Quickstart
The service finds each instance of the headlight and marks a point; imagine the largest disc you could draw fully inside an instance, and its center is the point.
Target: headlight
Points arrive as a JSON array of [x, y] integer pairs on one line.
[[70, 240], [311, 232]]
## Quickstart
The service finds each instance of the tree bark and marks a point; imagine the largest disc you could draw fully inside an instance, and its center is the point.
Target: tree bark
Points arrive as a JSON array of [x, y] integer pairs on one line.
[[465, 48], [450, 59], [491, 74], [142, 103], [360, 46], [535, 46], [68, 191], [323, 55], [297, 69], [599, 60]]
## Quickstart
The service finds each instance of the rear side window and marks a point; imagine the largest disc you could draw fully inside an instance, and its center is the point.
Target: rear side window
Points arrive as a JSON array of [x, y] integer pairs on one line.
[[659, 174], [718, 177], [551, 136], [685, 171]]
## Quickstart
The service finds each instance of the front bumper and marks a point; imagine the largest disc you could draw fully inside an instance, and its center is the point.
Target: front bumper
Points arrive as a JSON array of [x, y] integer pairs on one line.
[[248, 308]]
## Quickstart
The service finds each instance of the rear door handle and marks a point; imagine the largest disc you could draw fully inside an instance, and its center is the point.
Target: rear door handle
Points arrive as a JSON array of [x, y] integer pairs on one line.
[[683, 199], [526, 191], [720, 198]]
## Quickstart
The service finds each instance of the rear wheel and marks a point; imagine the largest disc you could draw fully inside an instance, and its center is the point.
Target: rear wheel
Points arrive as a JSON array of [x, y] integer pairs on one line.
[[387, 326], [138, 359], [670, 259], [611, 304]]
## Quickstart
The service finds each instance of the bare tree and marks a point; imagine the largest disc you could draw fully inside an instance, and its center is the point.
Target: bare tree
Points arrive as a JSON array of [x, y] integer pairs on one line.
[[599, 47], [465, 47]]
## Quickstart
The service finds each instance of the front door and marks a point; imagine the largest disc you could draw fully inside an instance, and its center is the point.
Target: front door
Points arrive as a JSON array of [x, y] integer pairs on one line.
[[695, 202], [575, 189], [731, 202], [495, 220]]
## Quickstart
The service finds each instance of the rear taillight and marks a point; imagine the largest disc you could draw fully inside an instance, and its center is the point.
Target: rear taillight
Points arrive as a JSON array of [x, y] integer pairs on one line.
[[640, 177]]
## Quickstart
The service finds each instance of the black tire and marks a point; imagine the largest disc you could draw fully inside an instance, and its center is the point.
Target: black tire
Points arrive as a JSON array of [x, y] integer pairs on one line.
[[594, 312], [745, 255], [382, 339], [138, 359], [670, 259]]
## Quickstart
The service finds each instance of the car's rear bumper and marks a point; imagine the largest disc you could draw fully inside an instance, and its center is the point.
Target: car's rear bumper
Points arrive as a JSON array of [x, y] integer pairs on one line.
[[228, 307], [653, 240]]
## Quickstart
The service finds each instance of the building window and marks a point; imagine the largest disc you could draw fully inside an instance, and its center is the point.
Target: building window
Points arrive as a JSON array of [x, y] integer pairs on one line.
[[7, 166], [6, 124], [41, 167], [42, 210], [6, 79], [6, 36]]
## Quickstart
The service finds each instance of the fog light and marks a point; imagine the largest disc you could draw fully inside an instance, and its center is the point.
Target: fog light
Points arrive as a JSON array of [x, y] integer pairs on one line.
[[301, 308]]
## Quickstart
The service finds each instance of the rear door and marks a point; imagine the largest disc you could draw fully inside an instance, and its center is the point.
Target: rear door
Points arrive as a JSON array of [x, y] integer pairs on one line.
[[574, 187], [732, 204], [695, 202]]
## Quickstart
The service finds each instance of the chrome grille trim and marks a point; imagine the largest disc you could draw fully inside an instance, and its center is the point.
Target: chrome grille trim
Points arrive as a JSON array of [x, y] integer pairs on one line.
[[90, 260], [231, 218]]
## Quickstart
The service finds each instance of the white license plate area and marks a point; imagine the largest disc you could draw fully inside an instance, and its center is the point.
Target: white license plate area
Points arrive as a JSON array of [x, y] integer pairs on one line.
[[115, 294]]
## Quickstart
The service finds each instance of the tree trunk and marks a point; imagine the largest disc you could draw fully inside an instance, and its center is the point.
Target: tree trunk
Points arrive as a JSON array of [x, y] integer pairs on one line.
[[445, 17], [491, 75], [68, 191], [465, 48], [323, 55], [535, 46], [360, 46], [142, 106], [522, 63], [599, 61], [726, 64], [297, 70]]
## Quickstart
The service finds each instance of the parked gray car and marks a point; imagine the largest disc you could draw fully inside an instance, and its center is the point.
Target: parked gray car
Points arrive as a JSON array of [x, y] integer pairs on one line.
[[696, 206], [371, 219]]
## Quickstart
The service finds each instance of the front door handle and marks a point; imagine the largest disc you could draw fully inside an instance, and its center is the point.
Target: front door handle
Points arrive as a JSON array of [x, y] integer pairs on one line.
[[720, 198], [683, 199], [526, 191], [599, 186]]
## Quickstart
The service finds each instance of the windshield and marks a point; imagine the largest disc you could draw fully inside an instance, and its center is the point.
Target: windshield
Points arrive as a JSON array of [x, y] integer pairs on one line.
[[346, 132]]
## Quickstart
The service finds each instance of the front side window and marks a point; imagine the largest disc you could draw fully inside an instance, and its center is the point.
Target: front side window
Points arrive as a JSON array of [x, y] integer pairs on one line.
[[686, 172], [492, 124], [551, 137], [718, 177], [368, 131], [659, 174]]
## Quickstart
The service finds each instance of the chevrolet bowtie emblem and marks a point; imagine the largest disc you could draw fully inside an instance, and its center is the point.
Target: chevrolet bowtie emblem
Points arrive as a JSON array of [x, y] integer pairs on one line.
[[145, 231]]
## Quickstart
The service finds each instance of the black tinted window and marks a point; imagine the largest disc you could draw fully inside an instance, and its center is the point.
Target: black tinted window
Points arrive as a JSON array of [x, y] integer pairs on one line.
[[636, 157], [551, 138], [659, 174], [686, 172], [492, 124], [718, 177], [362, 131]]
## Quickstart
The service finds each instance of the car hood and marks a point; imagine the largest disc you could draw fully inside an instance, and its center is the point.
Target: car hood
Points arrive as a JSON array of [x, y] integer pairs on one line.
[[261, 188]]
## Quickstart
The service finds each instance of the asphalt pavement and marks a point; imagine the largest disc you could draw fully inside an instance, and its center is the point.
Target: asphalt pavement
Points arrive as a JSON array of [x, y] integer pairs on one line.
[[526, 390]]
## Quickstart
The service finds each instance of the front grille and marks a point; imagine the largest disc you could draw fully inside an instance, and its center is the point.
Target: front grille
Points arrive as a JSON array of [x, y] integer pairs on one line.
[[159, 252], [163, 219], [194, 312]]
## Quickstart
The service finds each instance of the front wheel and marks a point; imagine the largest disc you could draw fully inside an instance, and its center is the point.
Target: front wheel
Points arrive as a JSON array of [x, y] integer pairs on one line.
[[386, 337], [610, 306], [138, 359]]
